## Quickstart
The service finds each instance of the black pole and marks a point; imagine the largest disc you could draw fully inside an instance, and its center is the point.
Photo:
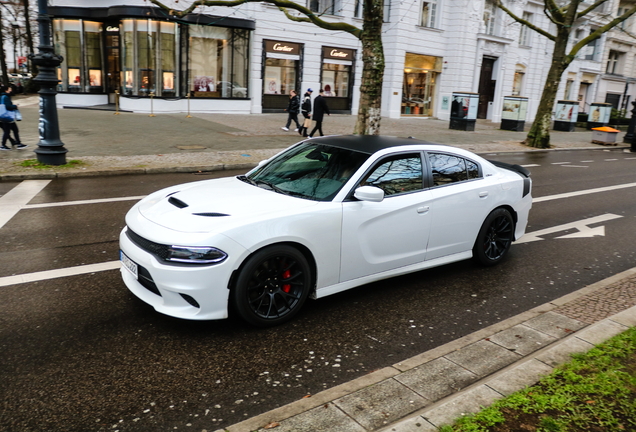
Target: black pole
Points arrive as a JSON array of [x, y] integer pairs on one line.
[[50, 149], [629, 136]]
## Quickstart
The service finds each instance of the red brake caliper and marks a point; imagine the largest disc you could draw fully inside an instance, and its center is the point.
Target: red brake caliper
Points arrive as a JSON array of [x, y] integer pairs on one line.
[[286, 275]]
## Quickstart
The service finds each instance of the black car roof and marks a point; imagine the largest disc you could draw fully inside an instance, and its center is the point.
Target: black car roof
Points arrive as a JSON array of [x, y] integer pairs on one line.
[[368, 144]]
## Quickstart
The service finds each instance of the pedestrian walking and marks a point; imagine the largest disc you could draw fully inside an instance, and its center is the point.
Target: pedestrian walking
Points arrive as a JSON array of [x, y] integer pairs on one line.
[[293, 108], [10, 125], [320, 108], [305, 109]]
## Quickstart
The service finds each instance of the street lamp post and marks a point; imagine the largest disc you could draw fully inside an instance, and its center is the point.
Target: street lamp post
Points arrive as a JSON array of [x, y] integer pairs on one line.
[[50, 149]]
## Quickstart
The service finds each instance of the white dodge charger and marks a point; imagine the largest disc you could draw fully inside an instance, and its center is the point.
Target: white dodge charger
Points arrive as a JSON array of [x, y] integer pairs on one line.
[[323, 216]]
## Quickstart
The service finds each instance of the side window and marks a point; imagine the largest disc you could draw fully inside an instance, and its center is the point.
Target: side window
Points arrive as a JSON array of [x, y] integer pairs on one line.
[[396, 175], [448, 169]]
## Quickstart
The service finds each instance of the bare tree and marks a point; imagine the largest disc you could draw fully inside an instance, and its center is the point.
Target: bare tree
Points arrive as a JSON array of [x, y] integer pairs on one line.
[[566, 16], [368, 122]]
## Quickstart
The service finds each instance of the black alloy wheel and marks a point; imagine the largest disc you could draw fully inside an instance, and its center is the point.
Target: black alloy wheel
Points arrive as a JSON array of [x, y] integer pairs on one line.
[[494, 238], [272, 286]]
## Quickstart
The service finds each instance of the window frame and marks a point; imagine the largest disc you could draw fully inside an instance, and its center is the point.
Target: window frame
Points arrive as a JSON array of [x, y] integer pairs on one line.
[[614, 62], [431, 18], [525, 35]]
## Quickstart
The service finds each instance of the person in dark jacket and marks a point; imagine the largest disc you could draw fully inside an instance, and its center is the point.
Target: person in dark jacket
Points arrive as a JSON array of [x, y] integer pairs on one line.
[[9, 126], [293, 108], [305, 109], [320, 108]]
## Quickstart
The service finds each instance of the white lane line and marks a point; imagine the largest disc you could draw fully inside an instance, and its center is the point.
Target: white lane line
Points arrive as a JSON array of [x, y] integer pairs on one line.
[[630, 158], [575, 166], [58, 273], [559, 163], [583, 192], [530, 165], [16, 198], [610, 160], [94, 201], [589, 161]]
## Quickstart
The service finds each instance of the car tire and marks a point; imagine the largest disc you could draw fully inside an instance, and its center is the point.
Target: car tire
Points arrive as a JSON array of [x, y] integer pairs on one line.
[[494, 238], [272, 286]]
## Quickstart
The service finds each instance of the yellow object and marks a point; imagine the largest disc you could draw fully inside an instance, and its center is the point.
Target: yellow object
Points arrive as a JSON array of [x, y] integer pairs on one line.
[[605, 129]]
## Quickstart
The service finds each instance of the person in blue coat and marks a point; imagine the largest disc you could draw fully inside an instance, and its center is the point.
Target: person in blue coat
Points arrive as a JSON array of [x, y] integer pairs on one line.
[[8, 126]]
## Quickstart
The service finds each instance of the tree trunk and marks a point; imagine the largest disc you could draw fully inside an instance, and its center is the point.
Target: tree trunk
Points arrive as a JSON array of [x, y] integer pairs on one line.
[[3, 58], [29, 33], [369, 111], [539, 135]]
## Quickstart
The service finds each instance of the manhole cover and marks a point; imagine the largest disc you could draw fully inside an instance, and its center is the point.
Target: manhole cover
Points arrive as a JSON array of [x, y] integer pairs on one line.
[[192, 147]]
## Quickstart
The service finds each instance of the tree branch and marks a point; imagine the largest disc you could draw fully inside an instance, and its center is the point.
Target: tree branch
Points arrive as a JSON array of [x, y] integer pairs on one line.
[[591, 8], [554, 10], [596, 34], [281, 4], [525, 23]]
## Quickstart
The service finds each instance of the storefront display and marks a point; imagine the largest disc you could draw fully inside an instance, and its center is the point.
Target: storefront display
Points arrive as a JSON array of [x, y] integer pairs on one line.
[[513, 115], [418, 89], [566, 115], [463, 115], [79, 43], [599, 115], [337, 77], [281, 73]]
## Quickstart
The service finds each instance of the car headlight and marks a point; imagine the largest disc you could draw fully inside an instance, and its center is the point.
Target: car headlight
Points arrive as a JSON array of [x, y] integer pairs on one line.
[[195, 255]]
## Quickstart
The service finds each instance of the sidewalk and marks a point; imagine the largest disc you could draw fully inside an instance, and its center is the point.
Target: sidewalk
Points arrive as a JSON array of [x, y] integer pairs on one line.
[[434, 388], [136, 143]]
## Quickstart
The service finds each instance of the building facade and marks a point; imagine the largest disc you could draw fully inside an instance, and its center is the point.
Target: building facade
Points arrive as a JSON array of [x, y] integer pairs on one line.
[[246, 59]]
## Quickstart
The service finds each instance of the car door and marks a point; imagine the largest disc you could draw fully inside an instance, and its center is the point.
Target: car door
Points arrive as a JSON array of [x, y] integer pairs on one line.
[[381, 236], [461, 199]]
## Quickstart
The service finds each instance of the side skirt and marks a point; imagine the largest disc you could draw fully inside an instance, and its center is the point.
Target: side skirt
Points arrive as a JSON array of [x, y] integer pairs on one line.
[[343, 286]]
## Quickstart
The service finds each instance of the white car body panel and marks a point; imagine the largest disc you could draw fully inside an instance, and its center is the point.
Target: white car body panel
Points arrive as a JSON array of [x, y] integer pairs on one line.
[[351, 242]]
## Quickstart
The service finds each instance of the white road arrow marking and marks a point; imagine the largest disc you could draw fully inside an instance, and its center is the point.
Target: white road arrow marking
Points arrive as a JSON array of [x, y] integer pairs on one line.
[[581, 226]]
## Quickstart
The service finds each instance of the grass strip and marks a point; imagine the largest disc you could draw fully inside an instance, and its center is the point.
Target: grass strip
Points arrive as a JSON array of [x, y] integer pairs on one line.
[[34, 163], [596, 391]]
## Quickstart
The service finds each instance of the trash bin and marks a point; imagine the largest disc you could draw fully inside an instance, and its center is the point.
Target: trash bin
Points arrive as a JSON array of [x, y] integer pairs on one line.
[[604, 135]]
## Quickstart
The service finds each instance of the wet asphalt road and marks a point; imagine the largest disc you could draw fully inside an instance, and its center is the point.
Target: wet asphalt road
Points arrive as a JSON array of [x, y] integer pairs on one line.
[[81, 353]]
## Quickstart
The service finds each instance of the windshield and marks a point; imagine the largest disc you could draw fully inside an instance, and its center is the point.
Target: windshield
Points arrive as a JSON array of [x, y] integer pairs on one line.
[[312, 171]]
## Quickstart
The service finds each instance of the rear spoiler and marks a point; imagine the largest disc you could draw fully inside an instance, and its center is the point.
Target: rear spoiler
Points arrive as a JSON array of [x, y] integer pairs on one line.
[[523, 172]]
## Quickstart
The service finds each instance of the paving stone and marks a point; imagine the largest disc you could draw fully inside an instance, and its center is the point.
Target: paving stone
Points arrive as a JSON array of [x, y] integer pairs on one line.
[[437, 378], [483, 357], [380, 404], [326, 417], [555, 324], [562, 352], [526, 374], [600, 332], [464, 404], [522, 339], [414, 424]]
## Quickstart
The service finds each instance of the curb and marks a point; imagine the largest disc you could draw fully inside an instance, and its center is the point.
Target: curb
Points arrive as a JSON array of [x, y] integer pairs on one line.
[[333, 405]]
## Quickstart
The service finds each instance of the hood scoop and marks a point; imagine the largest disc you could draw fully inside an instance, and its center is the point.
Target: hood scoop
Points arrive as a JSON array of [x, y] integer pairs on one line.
[[210, 214], [177, 202]]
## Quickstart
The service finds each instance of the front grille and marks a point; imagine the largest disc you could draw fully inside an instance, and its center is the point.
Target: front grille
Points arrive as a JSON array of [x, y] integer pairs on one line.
[[158, 250], [146, 280]]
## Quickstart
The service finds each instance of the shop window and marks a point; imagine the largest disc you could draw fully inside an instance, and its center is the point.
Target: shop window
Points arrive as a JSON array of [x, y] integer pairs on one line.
[[520, 71], [429, 13], [418, 89], [240, 66], [280, 76], [568, 89], [79, 43], [335, 79], [524, 33]]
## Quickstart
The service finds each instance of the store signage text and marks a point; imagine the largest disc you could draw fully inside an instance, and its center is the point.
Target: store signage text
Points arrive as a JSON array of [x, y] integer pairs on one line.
[[282, 47], [112, 29], [338, 53], [279, 47]]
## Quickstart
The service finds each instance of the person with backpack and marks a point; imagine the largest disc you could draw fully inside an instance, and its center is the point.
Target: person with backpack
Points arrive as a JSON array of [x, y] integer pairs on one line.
[[293, 108], [306, 111], [8, 126]]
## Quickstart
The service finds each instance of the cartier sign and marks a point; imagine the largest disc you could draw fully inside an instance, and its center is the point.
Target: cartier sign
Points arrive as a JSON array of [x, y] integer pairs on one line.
[[282, 47], [112, 29], [337, 53]]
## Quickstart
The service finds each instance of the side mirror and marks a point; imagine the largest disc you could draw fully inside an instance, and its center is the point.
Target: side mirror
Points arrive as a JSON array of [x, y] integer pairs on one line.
[[261, 163], [369, 193]]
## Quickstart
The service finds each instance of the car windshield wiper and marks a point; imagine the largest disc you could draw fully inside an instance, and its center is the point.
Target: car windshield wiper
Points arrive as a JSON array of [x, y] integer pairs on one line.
[[271, 186], [246, 179]]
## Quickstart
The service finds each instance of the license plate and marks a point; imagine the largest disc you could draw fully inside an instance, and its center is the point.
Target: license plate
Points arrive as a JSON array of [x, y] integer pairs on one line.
[[129, 264]]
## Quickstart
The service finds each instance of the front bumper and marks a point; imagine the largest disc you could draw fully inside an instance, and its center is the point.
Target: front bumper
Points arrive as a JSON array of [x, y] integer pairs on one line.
[[170, 289]]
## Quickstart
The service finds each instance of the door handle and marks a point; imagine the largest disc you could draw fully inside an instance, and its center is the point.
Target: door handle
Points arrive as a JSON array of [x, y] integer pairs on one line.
[[483, 194], [423, 209]]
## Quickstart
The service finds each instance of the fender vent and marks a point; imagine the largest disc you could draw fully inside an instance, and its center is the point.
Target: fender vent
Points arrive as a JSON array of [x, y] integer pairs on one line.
[[210, 214], [177, 202]]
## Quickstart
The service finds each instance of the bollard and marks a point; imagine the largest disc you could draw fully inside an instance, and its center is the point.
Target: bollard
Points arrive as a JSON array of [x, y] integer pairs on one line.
[[188, 116], [152, 112], [116, 102]]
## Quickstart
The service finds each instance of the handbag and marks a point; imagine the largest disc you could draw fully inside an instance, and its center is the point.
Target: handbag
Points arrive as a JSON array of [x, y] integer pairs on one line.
[[17, 115], [307, 123], [5, 115]]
